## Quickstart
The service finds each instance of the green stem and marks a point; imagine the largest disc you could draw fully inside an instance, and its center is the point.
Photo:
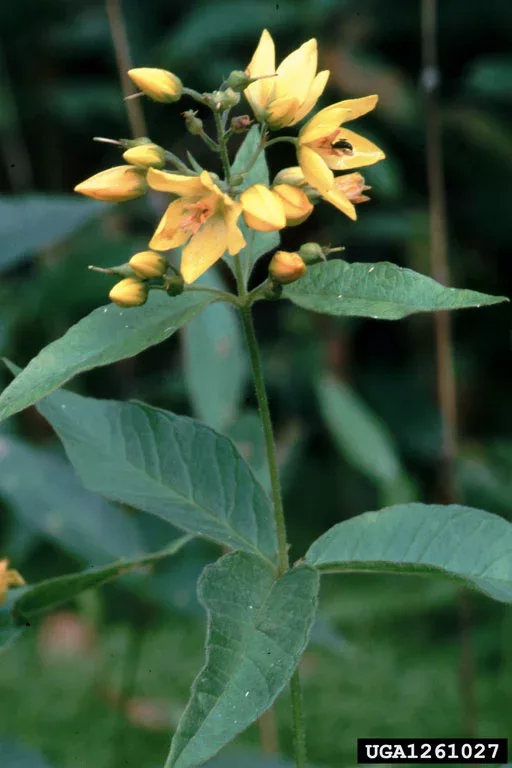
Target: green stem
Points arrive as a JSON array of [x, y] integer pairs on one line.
[[280, 139], [222, 295], [299, 733], [223, 150]]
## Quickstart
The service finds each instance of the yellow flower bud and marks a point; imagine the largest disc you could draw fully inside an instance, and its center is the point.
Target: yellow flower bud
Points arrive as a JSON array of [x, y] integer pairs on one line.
[[286, 267], [262, 209], [292, 176], [145, 156], [158, 84], [115, 185], [148, 264], [129, 293], [295, 202]]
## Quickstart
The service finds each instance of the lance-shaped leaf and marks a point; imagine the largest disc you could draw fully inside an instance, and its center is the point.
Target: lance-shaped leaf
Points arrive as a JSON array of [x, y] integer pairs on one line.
[[257, 630], [258, 243], [468, 545], [171, 466], [39, 598], [382, 291], [106, 335]]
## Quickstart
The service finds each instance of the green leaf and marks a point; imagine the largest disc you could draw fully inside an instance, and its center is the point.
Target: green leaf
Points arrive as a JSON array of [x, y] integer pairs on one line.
[[382, 291], [468, 545], [39, 598], [35, 484], [363, 439], [33, 222], [215, 360], [490, 76], [258, 243], [172, 466], [106, 335], [257, 630]]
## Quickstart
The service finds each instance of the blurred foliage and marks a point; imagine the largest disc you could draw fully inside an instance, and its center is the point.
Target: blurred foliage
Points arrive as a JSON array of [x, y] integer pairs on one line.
[[382, 640]]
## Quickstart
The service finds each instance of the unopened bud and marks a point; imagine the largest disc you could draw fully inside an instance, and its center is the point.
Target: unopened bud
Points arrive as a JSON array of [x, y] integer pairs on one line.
[[158, 84], [286, 267], [129, 293], [115, 185], [175, 284], [193, 124], [148, 264], [295, 202], [225, 99], [145, 156], [238, 80], [241, 123], [312, 253], [292, 176], [353, 186]]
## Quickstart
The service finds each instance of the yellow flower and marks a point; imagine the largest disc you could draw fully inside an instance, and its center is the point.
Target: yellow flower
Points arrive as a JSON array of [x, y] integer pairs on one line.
[[129, 292], [203, 217], [115, 185], [286, 267], [285, 99], [263, 210], [8, 578], [158, 84], [296, 205], [148, 264], [145, 156], [324, 146]]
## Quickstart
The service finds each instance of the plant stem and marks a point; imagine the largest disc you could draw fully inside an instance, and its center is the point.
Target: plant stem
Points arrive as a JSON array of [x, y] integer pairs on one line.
[[299, 733], [446, 383], [223, 150], [299, 736]]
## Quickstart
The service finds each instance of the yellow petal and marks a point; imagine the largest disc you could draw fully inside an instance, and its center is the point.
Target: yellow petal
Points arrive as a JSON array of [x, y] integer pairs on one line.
[[169, 234], [164, 181], [262, 209], [314, 93], [315, 170], [281, 112], [297, 206], [336, 197], [365, 153], [323, 124], [204, 249], [235, 238], [358, 107], [262, 63], [296, 72]]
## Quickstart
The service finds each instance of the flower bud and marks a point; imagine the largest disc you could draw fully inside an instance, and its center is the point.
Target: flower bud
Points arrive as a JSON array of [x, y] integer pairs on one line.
[[238, 80], [129, 293], [225, 99], [241, 124], [115, 185], [145, 156], [292, 176], [312, 253], [148, 264], [295, 202], [286, 267], [193, 124], [175, 284], [158, 84], [262, 209]]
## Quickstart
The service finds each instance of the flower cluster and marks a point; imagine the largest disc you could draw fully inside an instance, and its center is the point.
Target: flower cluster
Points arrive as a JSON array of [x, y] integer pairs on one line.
[[205, 214]]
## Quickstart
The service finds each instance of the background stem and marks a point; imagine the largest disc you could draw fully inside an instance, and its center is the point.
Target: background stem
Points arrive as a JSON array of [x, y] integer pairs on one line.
[[446, 382], [124, 63]]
